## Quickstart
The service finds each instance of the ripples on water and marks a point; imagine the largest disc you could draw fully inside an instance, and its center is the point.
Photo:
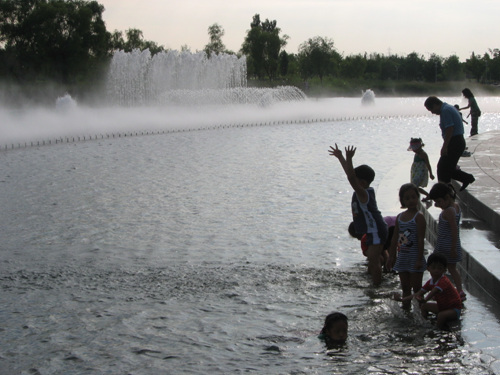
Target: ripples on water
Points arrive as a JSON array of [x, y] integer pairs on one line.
[[205, 252]]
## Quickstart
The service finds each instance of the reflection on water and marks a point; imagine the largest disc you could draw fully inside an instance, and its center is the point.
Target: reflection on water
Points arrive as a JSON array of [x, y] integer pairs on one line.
[[207, 252]]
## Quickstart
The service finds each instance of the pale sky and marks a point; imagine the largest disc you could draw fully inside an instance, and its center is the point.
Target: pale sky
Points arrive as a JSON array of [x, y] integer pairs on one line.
[[444, 27]]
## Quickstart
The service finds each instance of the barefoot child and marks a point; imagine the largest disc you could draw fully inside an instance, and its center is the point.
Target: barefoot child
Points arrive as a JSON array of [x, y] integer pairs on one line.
[[447, 305], [448, 238], [421, 169], [366, 216], [410, 236]]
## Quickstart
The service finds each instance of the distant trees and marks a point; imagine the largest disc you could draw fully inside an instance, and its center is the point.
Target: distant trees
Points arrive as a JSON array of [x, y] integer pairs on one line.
[[64, 41], [215, 46], [318, 57], [262, 46], [133, 40]]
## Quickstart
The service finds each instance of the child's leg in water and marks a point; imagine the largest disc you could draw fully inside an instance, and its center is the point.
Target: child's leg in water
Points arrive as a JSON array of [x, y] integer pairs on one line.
[[374, 266]]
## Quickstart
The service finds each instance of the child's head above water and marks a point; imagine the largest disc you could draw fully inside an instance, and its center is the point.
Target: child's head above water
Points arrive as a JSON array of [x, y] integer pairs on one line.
[[364, 172], [335, 328], [416, 144]]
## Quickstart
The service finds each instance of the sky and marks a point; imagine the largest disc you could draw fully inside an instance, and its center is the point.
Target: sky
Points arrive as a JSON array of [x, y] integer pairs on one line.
[[443, 27]]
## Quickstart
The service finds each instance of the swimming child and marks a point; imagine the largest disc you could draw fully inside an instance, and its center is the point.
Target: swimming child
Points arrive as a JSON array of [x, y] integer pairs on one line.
[[366, 215], [409, 239], [474, 113], [421, 168], [334, 331], [447, 305], [448, 237]]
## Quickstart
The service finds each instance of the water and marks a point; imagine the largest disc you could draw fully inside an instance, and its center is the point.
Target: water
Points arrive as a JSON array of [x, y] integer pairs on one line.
[[217, 251]]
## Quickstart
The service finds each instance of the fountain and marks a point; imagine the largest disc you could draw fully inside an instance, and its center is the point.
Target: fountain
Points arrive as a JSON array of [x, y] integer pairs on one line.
[[185, 78], [65, 103], [368, 97]]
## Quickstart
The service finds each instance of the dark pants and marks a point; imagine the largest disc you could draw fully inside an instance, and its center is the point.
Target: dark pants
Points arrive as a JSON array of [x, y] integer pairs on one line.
[[447, 165], [473, 124]]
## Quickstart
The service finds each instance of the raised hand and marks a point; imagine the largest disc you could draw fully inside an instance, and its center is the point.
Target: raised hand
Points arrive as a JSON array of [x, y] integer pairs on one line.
[[335, 152]]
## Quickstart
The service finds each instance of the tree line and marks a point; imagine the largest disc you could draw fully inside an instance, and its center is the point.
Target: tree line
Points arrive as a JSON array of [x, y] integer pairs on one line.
[[66, 42]]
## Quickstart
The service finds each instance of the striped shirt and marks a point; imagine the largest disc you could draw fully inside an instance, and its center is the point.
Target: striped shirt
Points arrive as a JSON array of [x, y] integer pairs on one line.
[[443, 243], [367, 217]]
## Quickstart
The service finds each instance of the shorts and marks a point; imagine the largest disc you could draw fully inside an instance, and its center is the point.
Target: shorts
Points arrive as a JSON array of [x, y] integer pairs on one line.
[[373, 239]]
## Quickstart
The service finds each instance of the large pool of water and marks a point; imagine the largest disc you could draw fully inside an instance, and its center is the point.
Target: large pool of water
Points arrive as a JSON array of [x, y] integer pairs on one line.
[[211, 251]]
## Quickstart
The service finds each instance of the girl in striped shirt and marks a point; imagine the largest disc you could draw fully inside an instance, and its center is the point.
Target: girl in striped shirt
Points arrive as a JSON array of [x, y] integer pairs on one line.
[[448, 238]]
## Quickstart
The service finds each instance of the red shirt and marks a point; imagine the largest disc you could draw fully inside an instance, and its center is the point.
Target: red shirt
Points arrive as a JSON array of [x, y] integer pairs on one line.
[[447, 297]]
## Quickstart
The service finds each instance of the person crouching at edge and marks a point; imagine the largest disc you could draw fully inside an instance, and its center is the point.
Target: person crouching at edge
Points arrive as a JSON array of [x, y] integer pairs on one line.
[[447, 305], [334, 331], [366, 215]]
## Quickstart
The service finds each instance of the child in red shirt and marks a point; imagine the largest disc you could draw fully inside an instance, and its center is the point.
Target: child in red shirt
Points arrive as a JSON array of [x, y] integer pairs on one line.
[[447, 305]]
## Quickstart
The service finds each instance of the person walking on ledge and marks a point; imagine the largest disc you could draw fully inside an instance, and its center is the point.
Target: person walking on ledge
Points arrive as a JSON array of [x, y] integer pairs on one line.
[[452, 131]]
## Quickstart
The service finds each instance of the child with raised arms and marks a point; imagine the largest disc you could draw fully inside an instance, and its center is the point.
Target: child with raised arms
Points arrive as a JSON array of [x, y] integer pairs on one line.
[[366, 215]]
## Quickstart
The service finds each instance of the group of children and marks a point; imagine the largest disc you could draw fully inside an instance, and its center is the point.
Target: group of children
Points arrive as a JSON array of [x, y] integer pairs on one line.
[[397, 243], [404, 252]]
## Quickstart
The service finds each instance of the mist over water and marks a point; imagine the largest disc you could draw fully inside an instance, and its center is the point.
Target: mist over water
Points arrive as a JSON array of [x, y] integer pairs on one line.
[[37, 124]]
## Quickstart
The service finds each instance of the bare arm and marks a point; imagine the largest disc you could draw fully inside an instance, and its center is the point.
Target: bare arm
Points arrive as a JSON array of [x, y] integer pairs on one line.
[[421, 227], [394, 245], [425, 157], [346, 164], [418, 295]]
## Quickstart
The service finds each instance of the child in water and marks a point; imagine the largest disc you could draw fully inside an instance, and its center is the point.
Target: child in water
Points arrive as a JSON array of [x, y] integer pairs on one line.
[[448, 237], [366, 215], [409, 238], [447, 305], [421, 169], [334, 331]]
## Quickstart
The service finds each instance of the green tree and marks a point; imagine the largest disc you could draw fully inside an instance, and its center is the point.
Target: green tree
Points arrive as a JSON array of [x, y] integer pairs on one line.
[[318, 58], [494, 65], [353, 66], [133, 40], [262, 46], [432, 69], [215, 46], [452, 69], [64, 41], [412, 67], [474, 67]]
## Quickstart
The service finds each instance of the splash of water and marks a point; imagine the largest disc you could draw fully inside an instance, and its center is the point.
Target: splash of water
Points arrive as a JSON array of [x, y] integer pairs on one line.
[[65, 103], [183, 78], [137, 78]]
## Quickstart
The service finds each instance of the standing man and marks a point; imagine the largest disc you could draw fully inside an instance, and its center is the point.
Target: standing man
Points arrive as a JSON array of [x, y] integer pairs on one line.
[[452, 130]]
